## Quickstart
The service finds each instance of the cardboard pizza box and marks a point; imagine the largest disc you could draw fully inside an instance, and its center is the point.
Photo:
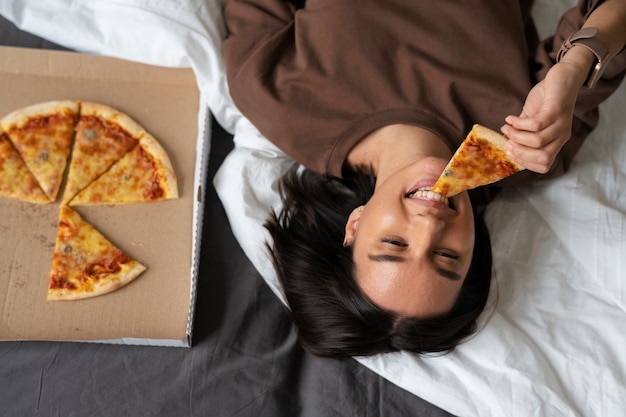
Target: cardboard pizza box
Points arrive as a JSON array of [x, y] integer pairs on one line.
[[157, 308]]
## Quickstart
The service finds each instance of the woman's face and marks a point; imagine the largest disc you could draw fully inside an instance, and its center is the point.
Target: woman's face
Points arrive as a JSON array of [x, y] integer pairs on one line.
[[412, 250]]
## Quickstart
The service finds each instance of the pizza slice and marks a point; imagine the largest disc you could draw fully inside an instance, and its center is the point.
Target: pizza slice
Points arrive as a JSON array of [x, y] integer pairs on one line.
[[85, 264], [16, 180], [480, 160], [103, 135], [42, 134], [144, 174]]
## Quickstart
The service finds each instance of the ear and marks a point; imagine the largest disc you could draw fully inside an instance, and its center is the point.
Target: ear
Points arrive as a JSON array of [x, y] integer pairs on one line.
[[352, 226]]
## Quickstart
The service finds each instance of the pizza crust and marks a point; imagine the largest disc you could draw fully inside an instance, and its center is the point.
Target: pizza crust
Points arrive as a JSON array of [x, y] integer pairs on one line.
[[113, 115], [497, 140], [19, 117], [168, 181], [128, 274]]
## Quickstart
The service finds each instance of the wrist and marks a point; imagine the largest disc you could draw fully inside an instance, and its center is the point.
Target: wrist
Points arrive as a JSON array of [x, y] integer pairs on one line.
[[579, 60], [587, 38]]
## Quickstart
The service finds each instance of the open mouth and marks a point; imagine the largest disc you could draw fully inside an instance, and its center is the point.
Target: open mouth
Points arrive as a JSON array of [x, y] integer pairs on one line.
[[426, 193]]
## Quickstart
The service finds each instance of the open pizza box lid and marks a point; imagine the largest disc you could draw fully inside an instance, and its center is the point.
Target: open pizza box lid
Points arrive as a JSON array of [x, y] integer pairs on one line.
[[156, 308]]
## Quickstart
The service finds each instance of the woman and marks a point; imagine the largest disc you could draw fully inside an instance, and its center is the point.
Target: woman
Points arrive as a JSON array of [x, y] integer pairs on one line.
[[373, 98]]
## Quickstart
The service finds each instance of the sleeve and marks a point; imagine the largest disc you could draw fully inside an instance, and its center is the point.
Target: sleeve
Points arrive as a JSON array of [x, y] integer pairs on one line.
[[588, 99], [250, 24], [586, 112]]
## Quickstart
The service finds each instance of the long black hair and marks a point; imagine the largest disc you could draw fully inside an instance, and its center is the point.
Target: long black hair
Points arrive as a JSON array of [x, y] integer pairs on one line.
[[332, 316]]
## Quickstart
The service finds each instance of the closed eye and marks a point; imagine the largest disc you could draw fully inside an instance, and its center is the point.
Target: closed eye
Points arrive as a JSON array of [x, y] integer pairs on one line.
[[446, 254], [395, 242]]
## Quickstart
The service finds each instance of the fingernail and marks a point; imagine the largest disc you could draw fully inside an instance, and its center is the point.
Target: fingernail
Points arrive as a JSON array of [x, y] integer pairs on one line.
[[508, 119]]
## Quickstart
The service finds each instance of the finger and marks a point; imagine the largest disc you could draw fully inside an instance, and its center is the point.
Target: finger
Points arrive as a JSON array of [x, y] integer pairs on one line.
[[529, 124], [535, 159], [537, 120], [552, 132], [531, 139]]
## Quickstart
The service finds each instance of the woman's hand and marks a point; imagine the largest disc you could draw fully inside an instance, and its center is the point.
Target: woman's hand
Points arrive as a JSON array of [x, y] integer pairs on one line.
[[545, 124], [537, 135]]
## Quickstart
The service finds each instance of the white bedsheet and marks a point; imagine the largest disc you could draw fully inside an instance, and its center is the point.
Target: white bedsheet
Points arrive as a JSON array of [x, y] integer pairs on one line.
[[553, 343]]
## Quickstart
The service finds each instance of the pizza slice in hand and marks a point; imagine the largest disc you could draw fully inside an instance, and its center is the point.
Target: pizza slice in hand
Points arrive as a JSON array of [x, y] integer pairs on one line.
[[85, 264], [480, 160], [144, 174], [103, 135], [42, 134], [16, 180]]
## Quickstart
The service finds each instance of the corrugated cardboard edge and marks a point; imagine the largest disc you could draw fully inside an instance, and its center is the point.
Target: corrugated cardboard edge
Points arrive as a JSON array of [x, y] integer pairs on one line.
[[203, 148]]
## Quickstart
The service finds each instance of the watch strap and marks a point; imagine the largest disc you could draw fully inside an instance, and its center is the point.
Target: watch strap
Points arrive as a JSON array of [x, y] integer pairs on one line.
[[584, 37], [587, 37]]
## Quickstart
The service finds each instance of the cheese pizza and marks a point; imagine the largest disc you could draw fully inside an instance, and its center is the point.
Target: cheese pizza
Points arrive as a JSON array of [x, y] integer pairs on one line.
[[103, 135], [16, 180], [101, 155], [480, 160], [85, 264], [42, 134], [142, 175]]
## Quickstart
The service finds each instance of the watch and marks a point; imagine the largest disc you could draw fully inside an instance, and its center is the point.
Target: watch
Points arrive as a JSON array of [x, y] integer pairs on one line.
[[587, 37]]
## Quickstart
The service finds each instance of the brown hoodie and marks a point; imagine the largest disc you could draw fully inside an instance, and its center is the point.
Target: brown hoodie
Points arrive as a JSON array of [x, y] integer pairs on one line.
[[316, 79]]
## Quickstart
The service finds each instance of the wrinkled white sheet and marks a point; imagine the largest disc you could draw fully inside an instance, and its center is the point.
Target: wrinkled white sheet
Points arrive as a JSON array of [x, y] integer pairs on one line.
[[171, 33], [552, 343]]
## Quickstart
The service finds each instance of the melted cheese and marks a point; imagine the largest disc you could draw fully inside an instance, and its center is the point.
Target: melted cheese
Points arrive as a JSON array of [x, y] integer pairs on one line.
[[97, 146], [16, 181], [480, 160], [134, 178], [85, 263], [44, 145]]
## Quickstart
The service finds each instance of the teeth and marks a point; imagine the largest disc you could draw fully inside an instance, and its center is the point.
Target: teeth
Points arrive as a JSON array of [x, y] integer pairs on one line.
[[427, 194]]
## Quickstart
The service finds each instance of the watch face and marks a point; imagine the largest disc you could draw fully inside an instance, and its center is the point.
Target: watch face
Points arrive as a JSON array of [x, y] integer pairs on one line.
[[596, 72]]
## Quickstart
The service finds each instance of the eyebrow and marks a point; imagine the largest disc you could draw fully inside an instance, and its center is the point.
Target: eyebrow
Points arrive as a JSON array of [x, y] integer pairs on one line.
[[393, 258], [448, 274], [386, 258]]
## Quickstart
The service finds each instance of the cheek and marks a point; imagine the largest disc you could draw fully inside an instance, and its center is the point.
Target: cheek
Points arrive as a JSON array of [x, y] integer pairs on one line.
[[376, 279], [381, 216], [466, 240], [465, 230], [468, 236]]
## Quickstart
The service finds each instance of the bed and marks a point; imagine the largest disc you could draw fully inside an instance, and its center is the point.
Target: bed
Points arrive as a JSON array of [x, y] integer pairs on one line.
[[551, 340]]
